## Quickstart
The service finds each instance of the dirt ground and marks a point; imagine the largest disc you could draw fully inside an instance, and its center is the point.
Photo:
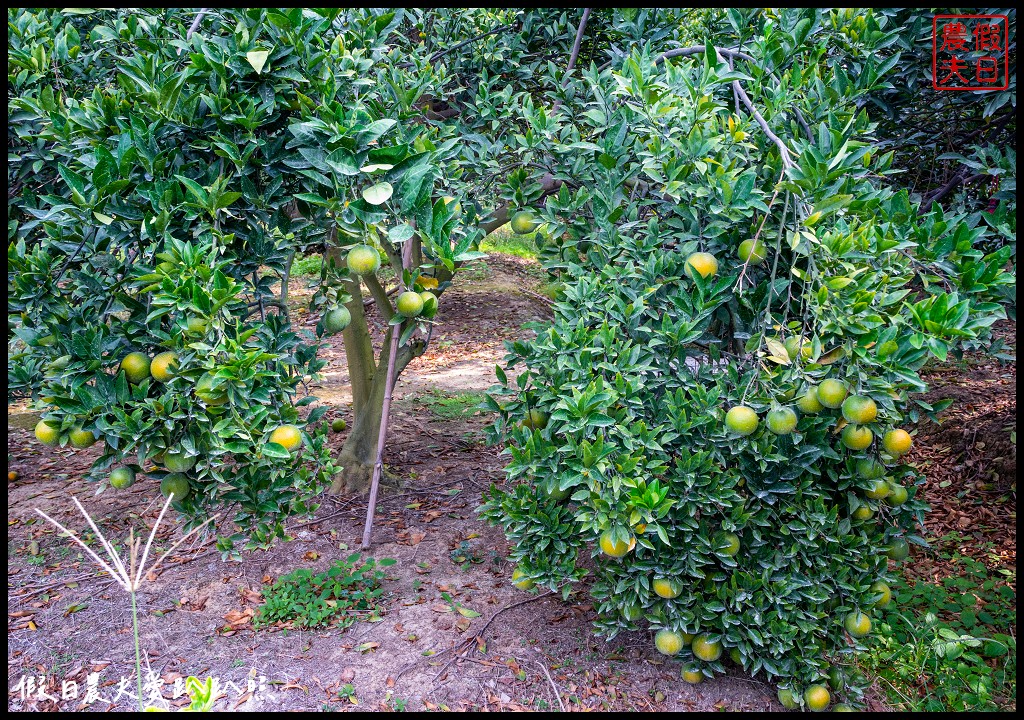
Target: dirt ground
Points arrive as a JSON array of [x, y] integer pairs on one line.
[[68, 624]]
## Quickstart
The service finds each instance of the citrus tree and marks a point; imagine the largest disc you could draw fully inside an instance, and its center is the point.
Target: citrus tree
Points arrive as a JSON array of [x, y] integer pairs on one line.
[[713, 425], [165, 166]]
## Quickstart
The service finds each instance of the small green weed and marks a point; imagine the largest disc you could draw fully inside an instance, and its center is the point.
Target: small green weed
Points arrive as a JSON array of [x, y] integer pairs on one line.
[[949, 646], [336, 597]]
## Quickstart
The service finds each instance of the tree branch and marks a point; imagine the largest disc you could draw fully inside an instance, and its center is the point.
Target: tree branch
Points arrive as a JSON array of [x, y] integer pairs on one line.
[[195, 23], [379, 296], [575, 53]]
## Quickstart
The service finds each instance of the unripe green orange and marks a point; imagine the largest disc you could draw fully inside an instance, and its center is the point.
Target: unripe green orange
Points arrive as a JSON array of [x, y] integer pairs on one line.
[[897, 494], [781, 421], [208, 394], [863, 512], [831, 393], [857, 624], [535, 420], [429, 304], [859, 410], [175, 483], [178, 461], [80, 438], [337, 319], [857, 437], [788, 699], [46, 433], [880, 588], [741, 420], [668, 642], [796, 345], [898, 549], [752, 252], [808, 402], [879, 489], [122, 477], [869, 468], [363, 260], [731, 543], [409, 304], [524, 222], [136, 367]]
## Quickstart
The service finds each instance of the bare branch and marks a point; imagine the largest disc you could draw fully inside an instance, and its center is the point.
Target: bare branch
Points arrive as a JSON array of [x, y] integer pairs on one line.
[[575, 53], [195, 23]]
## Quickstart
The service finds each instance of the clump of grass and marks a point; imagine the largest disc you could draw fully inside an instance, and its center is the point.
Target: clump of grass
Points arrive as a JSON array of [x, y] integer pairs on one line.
[[451, 406]]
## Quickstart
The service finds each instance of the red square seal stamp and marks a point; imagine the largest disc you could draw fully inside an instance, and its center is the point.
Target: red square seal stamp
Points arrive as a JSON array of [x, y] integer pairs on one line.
[[970, 52]]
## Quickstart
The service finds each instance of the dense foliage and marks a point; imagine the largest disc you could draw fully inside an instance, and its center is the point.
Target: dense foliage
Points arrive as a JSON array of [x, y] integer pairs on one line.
[[166, 166]]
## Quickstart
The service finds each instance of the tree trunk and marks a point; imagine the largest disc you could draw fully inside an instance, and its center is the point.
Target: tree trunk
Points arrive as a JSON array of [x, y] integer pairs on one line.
[[359, 452]]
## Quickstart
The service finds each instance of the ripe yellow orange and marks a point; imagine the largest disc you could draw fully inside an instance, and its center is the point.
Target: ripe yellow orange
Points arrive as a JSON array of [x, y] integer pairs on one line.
[[741, 420], [897, 442], [692, 674], [164, 367], [136, 367], [12, 475], [668, 642], [859, 410], [831, 393], [287, 436], [701, 262], [667, 588], [363, 260], [817, 698], [857, 624], [615, 548], [520, 580], [857, 437], [706, 649], [46, 433]]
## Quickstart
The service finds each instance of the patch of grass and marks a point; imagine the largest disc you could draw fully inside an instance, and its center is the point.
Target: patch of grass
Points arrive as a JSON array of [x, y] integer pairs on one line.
[[451, 406], [505, 242], [307, 265], [949, 645], [336, 597]]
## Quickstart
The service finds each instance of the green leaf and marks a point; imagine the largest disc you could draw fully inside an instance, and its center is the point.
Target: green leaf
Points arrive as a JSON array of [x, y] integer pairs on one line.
[[257, 58], [378, 194]]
